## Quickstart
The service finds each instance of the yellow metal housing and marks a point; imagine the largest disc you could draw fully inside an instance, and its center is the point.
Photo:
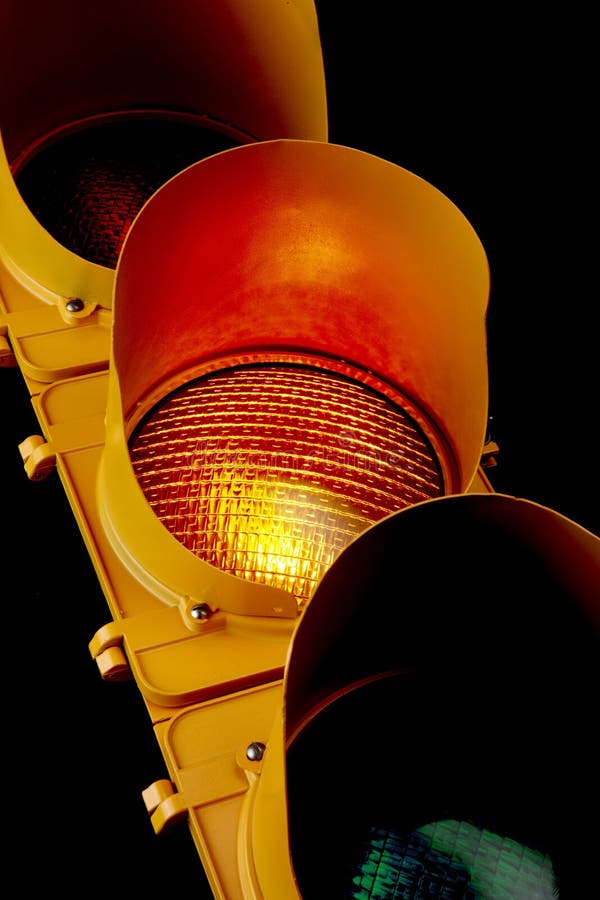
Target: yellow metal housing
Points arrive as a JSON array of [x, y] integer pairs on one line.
[[523, 645], [284, 249], [340, 249], [249, 71], [310, 250]]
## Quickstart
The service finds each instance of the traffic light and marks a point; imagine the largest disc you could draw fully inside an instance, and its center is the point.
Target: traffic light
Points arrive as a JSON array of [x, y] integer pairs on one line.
[[250, 426], [100, 105], [264, 389]]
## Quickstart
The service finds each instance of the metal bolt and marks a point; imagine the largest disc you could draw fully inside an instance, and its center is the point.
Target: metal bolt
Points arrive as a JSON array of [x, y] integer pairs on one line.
[[201, 611], [75, 305], [256, 750]]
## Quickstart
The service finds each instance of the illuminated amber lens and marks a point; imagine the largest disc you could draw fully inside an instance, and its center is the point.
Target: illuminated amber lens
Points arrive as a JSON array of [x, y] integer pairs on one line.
[[268, 472]]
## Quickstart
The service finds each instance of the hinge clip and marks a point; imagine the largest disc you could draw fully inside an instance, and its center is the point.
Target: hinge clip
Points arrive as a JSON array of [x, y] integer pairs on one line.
[[39, 457]]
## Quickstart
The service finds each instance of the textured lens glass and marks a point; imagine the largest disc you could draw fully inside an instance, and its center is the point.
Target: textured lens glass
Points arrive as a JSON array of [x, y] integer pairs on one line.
[[451, 859], [267, 472], [86, 186]]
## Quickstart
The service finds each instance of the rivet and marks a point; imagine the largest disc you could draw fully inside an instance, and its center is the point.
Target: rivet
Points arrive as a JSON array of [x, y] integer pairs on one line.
[[75, 305]]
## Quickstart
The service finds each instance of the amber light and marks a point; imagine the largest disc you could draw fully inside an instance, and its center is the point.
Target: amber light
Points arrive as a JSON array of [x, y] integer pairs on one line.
[[268, 471]]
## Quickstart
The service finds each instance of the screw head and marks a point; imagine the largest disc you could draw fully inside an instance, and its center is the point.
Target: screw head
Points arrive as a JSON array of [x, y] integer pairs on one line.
[[255, 751], [201, 611]]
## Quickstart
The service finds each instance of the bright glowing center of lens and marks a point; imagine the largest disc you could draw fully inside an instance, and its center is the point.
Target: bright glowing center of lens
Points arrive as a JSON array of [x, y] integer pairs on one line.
[[269, 471]]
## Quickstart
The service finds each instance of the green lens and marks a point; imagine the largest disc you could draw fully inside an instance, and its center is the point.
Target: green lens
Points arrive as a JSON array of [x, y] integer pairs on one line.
[[450, 859]]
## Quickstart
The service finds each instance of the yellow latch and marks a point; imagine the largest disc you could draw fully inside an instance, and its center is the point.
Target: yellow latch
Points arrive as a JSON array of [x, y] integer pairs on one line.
[[113, 665], [166, 807], [39, 457]]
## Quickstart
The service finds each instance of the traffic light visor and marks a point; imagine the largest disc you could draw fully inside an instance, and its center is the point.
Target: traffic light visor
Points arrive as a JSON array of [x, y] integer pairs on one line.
[[311, 283], [71, 75], [438, 727]]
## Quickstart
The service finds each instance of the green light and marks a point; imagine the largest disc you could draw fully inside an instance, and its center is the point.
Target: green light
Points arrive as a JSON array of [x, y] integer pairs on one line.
[[451, 860]]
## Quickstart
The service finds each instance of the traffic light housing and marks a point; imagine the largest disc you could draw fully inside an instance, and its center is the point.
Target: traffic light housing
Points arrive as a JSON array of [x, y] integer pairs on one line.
[[293, 296], [100, 105], [437, 729], [281, 261], [268, 413], [311, 250]]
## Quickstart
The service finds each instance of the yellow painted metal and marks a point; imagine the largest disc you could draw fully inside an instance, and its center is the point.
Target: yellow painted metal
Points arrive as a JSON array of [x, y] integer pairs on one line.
[[205, 749], [50, 344], [362, 242], [174, 657], [251, 69], [38, 456]]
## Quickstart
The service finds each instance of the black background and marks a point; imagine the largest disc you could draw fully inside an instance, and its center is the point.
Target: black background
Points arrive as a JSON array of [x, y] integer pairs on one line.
[[495, 112], [490, 112]]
